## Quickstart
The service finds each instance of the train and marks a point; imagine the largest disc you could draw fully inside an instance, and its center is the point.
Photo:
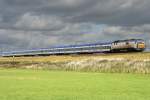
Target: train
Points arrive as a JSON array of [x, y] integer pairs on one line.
[[128, 45]]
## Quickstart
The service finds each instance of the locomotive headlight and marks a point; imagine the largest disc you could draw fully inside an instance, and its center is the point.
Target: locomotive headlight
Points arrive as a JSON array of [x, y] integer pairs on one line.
[[141, 45]]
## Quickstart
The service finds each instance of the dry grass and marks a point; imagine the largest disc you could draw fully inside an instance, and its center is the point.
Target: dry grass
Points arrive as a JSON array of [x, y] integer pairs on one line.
[[122, 62]]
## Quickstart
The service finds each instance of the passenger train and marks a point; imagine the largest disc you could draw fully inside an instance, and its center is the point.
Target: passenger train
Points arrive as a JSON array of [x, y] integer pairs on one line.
[[129, 45]]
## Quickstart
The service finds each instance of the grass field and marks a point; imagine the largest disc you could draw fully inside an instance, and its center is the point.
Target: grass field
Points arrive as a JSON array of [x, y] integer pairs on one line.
[[21, 84]]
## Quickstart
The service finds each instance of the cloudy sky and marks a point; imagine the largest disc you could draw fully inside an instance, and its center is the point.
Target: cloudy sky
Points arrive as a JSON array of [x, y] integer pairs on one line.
[[29, 24]]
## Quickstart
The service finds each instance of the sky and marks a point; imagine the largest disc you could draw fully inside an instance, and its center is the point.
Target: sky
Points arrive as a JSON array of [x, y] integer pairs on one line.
[[31, 24]]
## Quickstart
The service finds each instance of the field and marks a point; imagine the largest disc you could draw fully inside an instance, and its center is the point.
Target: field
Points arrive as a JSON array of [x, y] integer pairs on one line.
[[114, 63], [123, 76], [23, 84]]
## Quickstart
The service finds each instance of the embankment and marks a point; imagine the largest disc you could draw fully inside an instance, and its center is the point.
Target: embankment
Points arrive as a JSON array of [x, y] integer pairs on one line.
[[114, 63]]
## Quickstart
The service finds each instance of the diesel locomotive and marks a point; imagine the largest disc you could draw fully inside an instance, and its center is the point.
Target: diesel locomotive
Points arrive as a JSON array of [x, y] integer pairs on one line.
[[129, 45]]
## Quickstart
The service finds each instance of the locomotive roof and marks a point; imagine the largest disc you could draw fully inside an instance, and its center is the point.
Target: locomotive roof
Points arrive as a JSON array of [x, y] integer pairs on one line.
[[129, 40]]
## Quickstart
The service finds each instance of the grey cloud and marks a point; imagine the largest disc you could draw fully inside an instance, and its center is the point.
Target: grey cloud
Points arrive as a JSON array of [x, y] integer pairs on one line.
[[34, 22], [117, 12], [26, 24], [111, 12]]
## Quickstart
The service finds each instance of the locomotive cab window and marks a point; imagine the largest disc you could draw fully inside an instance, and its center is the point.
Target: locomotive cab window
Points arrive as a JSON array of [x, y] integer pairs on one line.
[[115, 43], [127, 43]]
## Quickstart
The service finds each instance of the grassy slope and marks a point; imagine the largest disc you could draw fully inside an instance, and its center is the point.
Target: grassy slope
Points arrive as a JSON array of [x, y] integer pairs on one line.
[[58, 85], [117, 62], [130, 56], [64, 58]]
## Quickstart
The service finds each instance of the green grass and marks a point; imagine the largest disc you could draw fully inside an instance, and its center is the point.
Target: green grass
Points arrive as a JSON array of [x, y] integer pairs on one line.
[[17, 84]]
